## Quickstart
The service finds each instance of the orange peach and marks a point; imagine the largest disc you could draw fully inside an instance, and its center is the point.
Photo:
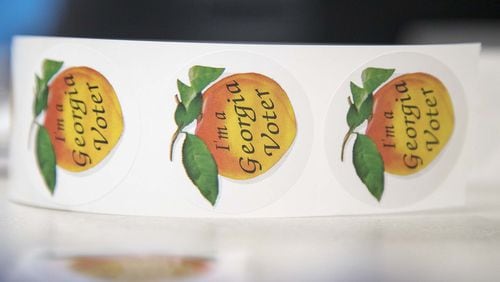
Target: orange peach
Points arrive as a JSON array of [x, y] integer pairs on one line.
[[248, 124], [412, 121], [83, 118]]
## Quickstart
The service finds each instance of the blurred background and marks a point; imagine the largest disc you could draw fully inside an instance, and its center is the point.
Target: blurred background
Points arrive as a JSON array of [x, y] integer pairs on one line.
[[290, 21]]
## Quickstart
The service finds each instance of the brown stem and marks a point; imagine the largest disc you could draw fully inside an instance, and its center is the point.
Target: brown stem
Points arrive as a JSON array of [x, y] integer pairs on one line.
[[344, 143], [348, 134], [174, 138]]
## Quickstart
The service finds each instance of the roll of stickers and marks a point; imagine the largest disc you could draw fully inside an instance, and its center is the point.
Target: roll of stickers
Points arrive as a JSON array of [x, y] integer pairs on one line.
[[239, 130]]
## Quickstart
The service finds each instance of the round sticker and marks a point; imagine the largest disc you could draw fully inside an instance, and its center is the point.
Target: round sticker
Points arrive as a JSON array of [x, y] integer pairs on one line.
[[395, 130], [85, 130], [240, 140]]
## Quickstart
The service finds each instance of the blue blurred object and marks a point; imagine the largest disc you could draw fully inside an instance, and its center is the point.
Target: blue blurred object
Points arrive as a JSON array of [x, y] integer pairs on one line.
[[31, 17], [28, 17]]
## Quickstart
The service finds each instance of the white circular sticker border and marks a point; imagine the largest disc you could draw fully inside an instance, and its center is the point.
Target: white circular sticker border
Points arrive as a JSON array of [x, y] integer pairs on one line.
[[78, 188], [246, 195], [394, 191]]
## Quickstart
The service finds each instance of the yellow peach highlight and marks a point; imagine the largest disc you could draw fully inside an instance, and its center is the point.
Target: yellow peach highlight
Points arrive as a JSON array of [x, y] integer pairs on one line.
[[248, 124], [412, 121], [83, 117]]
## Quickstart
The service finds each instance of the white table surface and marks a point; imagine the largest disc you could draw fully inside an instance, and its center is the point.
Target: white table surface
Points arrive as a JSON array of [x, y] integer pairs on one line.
[[449, 245]]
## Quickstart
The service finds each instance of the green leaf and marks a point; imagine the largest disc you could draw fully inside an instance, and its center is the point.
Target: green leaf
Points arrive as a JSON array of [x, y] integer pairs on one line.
[[201, 76], [369, 165], [41, 95], [184, 116], [187, 93], [355, 117], [194, 109], [50, 68], [374, 77], [180, 116], [46, 158], [200, 166], [359, 95]]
